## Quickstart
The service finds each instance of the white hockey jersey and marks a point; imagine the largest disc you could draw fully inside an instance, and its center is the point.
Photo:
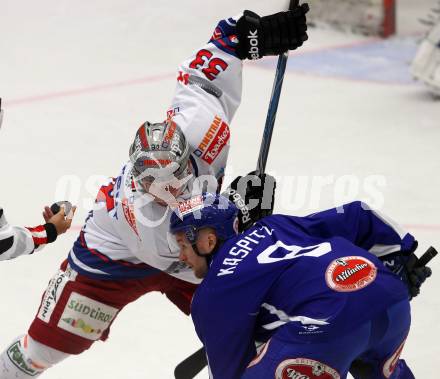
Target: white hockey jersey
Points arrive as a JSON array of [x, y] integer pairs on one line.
[[126, 234]]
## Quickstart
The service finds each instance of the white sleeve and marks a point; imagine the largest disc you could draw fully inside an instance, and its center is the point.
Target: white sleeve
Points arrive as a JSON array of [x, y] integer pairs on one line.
[[14, 240], [207, 95], [426, 64]]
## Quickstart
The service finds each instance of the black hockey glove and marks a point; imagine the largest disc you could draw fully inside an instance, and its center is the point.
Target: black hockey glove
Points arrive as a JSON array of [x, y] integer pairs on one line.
[[271, 35], [254, 196], [410, 269]]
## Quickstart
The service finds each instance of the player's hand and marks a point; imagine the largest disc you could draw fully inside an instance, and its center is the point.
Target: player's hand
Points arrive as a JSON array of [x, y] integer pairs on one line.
[[406, 266], [254, 196], [271, 35], [61, 221], [416, 275]]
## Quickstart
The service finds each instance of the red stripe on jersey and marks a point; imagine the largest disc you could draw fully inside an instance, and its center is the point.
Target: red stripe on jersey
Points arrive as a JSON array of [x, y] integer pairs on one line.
[[224, 44], [132, 265], [37, 229], [98, 254], [39, 241], [39, 235], [107, 259]]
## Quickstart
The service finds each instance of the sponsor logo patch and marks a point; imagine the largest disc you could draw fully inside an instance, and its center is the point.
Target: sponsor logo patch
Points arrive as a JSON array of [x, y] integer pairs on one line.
[[190, 205], [85, 317], [310, 330], [156, 162], [349, 274], [52, 294], [16, 356], [304, 368], [214, 141]]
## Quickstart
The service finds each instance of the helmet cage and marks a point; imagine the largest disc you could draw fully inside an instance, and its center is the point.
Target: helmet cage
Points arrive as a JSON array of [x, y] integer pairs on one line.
[[159, 153]]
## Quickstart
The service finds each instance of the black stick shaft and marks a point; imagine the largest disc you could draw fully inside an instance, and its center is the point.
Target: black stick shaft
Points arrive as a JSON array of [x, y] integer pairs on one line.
[[191, 366], [272, 113], [273, 106]]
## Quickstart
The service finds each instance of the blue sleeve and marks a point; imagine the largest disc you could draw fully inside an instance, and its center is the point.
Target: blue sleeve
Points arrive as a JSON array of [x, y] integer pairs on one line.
[[366, 228], [224, 36], [227, 338]]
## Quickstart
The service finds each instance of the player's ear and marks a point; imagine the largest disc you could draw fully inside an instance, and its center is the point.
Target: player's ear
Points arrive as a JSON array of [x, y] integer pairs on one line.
[[212, 240]]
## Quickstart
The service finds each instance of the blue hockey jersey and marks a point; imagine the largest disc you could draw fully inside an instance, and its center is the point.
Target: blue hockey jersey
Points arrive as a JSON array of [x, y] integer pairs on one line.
[[306, 278]]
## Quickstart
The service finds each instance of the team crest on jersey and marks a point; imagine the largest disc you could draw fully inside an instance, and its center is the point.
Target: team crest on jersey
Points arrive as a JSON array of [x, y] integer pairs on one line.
[[347, 274], [304, 368], [213, 141]]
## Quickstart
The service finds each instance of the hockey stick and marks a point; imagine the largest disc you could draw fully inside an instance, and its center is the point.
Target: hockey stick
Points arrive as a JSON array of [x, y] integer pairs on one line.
[[191, 366], [272, 111], [273, 105]]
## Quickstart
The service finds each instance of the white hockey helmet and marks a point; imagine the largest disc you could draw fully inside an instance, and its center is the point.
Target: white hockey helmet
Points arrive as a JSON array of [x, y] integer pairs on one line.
[[159, 152]]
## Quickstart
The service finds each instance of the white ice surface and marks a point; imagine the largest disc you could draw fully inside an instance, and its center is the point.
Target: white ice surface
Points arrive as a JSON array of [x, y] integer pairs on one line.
[[78, 78]]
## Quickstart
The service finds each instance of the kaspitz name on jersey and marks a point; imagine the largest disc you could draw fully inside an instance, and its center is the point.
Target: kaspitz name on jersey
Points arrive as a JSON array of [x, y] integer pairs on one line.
[[241, 249]]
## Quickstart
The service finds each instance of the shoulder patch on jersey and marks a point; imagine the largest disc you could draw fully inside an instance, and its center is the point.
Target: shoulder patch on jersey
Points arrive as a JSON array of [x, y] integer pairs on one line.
[[213, 141], [305, 368], [347, 274]]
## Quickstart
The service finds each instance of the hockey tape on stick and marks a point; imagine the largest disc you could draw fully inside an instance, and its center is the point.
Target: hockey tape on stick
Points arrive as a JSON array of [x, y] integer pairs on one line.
[[426, 258], [414, 262]]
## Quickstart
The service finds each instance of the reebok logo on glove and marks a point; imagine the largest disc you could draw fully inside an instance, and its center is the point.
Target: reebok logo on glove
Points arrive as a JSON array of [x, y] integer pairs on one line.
[[271, 35], [254, 51], [240, 204]]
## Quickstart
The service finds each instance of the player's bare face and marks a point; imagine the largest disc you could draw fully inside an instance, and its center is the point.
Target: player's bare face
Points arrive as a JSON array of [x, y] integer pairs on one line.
[[188, 255]]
